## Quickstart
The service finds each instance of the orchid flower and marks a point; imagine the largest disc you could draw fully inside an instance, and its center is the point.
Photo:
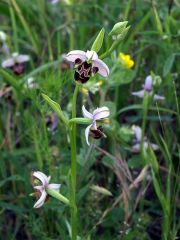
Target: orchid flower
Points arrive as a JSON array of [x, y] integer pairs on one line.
[[16, 63], [93, 129], [42, 189], [87, 64], [148, 86], [138, 136], [54, 1]]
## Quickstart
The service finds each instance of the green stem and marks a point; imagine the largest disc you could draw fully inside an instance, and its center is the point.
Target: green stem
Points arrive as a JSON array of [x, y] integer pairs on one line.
[[145, 111], [58, 196], [73, 167], [80, 121]]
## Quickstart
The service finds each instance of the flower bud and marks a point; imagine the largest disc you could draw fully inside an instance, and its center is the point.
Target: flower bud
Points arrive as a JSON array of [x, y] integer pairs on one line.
[[118, 28]]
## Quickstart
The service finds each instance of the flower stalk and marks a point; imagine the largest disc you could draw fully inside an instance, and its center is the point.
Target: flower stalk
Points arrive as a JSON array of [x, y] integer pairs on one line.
[[145, 112], [58, 196], [73, 167]]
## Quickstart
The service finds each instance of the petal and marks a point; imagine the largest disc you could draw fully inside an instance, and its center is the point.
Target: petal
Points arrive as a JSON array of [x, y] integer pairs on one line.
[[136, 147], [145, 145], [102, 67], [158, 97], [42, 177], [40, 188], [139, 93], [101, 113], [91, 55], [73, 55], [154, 146], [87, 130], [86, 114], [54, 1], [49, 178], [41, 200], [22, 58], [138, 132], [148, 83], [54, 186], [8, 63]]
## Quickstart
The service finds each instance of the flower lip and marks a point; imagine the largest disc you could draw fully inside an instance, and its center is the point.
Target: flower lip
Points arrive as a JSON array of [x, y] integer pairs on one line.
[[97, 115], [97, 133]]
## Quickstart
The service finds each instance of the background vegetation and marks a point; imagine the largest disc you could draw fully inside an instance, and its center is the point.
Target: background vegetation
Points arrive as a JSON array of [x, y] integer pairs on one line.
[[145, 210]]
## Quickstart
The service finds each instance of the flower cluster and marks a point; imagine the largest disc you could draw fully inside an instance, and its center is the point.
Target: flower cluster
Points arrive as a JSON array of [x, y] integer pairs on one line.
[[87, 64]]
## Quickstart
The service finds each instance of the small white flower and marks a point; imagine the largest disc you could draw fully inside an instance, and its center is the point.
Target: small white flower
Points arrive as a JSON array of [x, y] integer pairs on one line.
[[89, 56], [30, 83], [3, 36], [98, 114], [43, 187], [148, 87], [138, 136], [15, 59]]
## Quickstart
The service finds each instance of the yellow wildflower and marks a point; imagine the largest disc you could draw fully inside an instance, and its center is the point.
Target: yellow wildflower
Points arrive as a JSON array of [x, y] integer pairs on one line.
[[126, 60]]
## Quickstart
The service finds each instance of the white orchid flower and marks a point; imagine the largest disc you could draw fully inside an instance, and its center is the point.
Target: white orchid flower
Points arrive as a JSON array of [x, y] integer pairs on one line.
[[98, 114], [138, 136], [43, 187], [87, 64], [148, 86], [15, 59]]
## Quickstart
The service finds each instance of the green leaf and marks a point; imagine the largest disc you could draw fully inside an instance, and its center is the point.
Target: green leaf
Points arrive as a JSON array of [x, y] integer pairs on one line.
[[10, 79], [158, 22], [56, 107], [168, 64], [126, 76], [101, 190], [98, 41], [153, 159]]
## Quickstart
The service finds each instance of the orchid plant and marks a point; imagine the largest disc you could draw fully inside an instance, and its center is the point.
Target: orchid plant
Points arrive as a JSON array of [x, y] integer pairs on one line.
[[86, 64]]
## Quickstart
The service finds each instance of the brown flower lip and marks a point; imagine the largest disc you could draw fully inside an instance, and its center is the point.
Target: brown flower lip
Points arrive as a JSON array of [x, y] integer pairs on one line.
[[97, 133], [84, 71]]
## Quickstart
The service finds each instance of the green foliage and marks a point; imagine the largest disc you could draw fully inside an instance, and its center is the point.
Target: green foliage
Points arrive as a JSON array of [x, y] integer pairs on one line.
[[117, 207]]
